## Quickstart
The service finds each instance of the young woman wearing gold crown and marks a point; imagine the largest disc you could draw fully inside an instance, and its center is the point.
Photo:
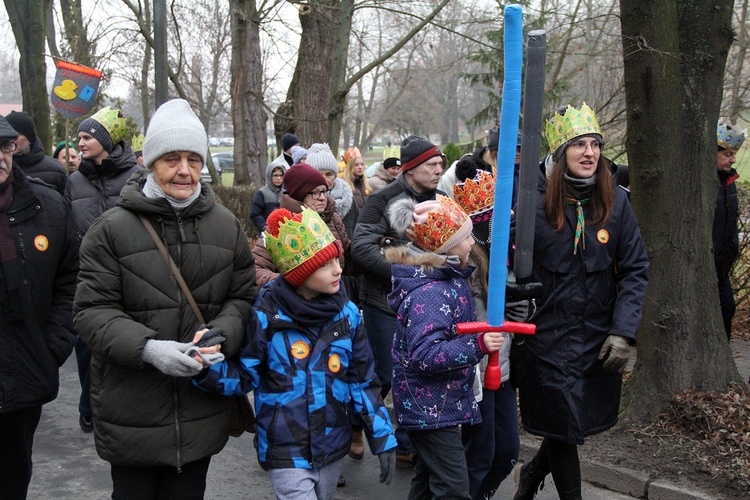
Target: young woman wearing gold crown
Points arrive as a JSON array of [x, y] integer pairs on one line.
[[592, 263]]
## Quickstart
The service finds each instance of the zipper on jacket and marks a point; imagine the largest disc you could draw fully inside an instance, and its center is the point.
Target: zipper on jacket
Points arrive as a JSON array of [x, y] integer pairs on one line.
[[181, 228], [177, 430], [22, 247]]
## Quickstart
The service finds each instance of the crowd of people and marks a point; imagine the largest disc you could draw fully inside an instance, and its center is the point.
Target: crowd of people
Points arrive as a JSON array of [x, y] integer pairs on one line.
[[353, 290]]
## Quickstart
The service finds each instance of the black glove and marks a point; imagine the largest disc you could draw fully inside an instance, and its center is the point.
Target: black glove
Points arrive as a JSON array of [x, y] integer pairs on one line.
[[212, 337], [619, 353], [387, 466]]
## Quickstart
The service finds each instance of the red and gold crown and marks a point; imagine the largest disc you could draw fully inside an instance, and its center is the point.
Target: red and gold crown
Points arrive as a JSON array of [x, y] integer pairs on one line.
[[439, 225], [299, 244], [476, 196]]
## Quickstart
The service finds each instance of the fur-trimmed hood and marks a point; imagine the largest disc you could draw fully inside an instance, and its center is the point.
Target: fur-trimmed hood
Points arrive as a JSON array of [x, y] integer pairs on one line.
[[411, 255]]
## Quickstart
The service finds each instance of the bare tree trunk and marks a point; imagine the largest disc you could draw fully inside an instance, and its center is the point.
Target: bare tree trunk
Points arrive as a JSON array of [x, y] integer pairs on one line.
[[737, 79], [674, 58], [51, 36], [248, 114], [145, 67], [81, 49], [28, 20]]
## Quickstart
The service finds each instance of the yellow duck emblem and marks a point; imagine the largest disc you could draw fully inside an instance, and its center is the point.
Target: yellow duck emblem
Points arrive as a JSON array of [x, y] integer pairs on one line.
[[66, 90]]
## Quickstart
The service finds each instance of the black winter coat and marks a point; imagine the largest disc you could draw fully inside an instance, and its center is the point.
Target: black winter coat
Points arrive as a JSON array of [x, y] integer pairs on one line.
[[373, 233], [725, 237], [94, 189], [127, 295], [36, 164], [565, 394], [33, 349]]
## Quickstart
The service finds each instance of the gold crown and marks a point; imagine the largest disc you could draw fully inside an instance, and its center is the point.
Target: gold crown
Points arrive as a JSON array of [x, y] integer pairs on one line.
[[136, 143], [113, 121], [351, 153], [562, 128], [441, 225], [298, 239], [476, 196], [728, 136]]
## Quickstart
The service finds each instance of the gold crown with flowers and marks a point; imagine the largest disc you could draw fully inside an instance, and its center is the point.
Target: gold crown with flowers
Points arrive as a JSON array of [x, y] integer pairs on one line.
[[441, 225], [561, 128], [136, 143], [113, 121], [476, 196], [292, 240]]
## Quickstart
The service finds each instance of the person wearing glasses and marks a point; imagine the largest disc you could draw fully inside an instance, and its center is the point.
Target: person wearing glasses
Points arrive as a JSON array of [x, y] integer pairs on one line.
[[268, 197], [304, 186], [38, 266], [590, 258]]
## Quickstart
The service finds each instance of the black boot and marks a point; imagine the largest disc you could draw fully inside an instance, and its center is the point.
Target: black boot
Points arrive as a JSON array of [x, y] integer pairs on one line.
[[529, 478]]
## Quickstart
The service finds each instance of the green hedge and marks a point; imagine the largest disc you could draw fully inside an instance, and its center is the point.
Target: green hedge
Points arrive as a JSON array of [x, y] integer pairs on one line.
[[238, 199]]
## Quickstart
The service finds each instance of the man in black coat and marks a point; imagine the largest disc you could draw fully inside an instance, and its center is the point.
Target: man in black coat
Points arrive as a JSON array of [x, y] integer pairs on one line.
[[38, 270], [729, 139], [30, 155]]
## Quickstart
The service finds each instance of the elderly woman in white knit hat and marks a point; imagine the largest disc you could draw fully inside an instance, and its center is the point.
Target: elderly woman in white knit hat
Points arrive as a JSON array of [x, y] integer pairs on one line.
[[158, 430]]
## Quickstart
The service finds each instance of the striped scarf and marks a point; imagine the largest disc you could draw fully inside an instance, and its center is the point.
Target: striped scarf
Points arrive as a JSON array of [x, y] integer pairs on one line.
[[580, 222]]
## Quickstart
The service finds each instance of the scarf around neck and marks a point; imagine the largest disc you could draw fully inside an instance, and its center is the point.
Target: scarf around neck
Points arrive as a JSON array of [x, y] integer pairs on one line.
[[151, 189], [580, 191]]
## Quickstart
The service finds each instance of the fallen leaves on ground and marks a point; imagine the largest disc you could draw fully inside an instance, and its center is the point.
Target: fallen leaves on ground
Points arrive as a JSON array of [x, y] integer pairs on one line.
[[721, 423]]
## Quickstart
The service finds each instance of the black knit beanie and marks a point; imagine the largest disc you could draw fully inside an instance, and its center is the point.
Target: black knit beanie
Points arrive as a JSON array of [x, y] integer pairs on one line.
[[98, 132], [415, 151], [288, 140], [23, 124]]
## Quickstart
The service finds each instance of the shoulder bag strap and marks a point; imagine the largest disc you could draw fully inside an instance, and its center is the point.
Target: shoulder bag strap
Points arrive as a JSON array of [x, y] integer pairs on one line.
[[175, 270]]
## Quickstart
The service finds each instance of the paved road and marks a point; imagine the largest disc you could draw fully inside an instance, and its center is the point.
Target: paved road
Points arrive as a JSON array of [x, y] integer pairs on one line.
[[66, 465]]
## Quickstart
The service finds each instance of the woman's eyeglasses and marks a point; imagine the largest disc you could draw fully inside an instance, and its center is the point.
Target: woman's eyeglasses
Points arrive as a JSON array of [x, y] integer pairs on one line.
[[580, 146], [318, 193]]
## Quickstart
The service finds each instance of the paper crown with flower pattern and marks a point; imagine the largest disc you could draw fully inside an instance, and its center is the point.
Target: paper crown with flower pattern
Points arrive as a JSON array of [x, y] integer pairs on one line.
[[434, 226], [299, 244], [562, 128], [136, 143], [351, 153], [728, 136], [113, 122], [476, 196]]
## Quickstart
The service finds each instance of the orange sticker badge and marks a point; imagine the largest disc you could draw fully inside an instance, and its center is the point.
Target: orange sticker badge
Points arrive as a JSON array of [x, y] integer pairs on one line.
[[300, 349], [603, 236], [334, 363], [41, 243]]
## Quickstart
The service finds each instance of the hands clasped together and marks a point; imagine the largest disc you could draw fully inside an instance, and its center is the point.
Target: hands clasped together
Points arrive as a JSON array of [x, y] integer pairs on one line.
[[185, 359]]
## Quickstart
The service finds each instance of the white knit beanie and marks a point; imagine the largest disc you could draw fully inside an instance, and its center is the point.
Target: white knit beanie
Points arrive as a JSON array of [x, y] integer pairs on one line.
[[174, 127], [320, 156]]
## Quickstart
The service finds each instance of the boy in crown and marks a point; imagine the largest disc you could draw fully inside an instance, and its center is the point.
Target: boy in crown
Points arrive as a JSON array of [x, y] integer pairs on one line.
[[308, 360]]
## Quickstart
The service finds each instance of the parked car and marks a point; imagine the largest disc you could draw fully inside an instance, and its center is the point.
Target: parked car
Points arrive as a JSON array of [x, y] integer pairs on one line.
[[225, 159], [227, 141], [214, 141], [206, 175]]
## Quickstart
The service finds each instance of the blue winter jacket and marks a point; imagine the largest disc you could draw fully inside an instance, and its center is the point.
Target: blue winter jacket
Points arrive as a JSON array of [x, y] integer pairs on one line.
[[310, 365], [433, 367]]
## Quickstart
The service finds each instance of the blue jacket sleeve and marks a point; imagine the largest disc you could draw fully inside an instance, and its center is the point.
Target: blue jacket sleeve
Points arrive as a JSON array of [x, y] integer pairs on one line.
[[242, 373]]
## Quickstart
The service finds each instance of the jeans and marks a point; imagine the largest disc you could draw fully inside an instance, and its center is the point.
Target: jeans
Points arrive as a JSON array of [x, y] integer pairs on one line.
[[381, 327], [492, 446]]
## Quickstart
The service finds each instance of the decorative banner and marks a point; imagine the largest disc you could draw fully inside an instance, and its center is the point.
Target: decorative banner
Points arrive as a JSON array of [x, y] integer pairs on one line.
[[74, 90]]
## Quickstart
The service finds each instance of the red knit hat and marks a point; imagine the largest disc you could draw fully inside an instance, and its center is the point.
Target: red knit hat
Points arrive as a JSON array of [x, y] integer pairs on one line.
[[300, 179], [299, 244]]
